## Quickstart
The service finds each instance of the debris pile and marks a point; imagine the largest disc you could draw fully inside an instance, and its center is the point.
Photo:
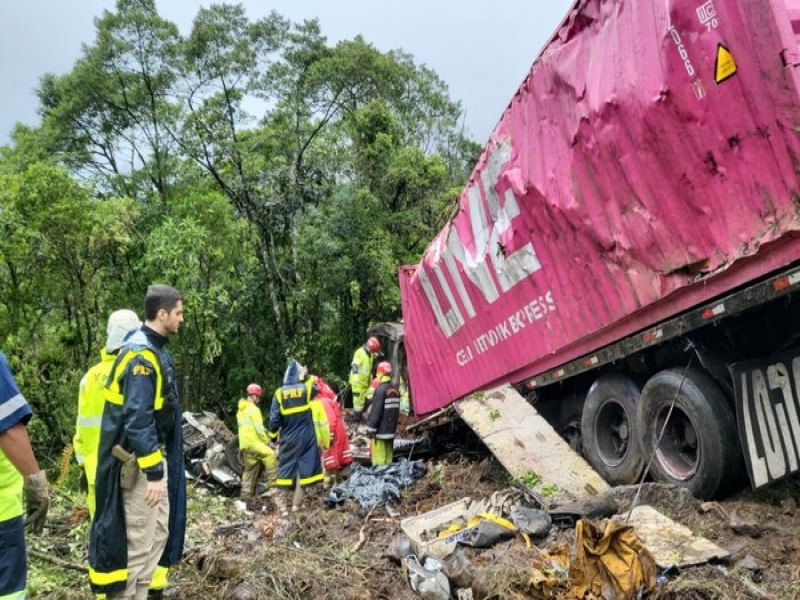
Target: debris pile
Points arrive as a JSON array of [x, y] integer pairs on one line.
[[377, 486]]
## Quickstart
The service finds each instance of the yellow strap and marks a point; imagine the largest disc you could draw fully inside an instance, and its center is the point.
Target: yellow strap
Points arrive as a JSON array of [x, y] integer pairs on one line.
[[99, 578], [297, 409], [113, 393], [159, 579], [312, 479], [150, 460]]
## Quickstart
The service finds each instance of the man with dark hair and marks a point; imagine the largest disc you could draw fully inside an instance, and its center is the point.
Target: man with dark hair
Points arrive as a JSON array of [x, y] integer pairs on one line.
[[18, 471], [140, 514]]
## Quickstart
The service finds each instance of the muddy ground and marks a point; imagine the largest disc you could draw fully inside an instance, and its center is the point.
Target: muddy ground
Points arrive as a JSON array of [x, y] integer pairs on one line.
[[340, 553]]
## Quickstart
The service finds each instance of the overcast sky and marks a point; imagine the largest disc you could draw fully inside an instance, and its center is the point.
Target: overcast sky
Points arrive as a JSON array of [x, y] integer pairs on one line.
[[482, 50]]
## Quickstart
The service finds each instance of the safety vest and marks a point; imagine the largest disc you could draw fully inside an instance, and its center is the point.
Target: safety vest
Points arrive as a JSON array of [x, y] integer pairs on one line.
[[360, 370], [321, 426], [91, 400], [250, 422], [10, 490]]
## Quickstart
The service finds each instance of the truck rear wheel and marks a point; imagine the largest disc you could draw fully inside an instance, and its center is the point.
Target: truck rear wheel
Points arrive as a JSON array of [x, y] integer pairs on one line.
[[699, 449], [608, 429]]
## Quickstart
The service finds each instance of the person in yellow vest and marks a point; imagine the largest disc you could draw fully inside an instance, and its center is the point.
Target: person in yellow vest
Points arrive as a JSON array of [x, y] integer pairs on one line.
[[19, 472], [91, 399], [253, 442], [361, 374]]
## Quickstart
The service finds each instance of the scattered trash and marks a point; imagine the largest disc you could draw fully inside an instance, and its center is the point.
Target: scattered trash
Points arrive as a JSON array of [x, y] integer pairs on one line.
[[427, 579], [532, 521]]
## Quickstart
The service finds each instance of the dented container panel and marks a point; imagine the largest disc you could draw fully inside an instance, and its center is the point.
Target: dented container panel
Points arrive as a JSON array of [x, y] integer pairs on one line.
[[648, 162]]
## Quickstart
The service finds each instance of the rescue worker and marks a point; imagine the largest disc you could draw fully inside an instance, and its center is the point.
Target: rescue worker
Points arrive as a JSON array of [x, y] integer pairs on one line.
[[360, 375], [291, 420], [338, 455], [19, 472], [253, 442], [383, 417], [140, 513], [91, 399]]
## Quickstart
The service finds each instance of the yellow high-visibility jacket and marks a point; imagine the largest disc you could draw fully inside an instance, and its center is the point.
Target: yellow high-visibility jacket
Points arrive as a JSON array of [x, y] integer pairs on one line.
[[252, 435], [360, 371], [321, 426], [91, 400]]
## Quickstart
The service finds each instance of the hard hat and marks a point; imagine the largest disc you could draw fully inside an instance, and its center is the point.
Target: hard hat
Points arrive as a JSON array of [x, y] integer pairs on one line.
[[120, 322], [373, 344], [384, 368], [254, 390]]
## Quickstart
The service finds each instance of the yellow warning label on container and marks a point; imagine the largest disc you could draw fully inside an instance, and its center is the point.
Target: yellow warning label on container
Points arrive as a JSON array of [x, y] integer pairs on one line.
[[725, 67]]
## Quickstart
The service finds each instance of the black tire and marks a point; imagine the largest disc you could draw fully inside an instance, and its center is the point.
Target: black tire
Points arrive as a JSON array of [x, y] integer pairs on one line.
[[700, 447], [232, 456], [609, 431]]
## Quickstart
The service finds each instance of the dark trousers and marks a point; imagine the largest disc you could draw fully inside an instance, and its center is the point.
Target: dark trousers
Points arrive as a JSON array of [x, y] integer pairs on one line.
[[13, 563]]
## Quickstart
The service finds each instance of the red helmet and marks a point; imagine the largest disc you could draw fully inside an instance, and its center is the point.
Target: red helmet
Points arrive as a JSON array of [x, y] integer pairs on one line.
[[254, 390], [373, 344], [384, 368]]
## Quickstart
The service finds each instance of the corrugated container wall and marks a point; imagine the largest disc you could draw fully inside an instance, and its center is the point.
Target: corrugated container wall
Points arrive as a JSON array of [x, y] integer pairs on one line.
[[650, 153]]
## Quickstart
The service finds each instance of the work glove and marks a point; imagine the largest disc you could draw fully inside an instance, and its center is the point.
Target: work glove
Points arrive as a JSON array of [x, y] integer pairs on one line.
[[83, 482], [37, 500], [370, 432]]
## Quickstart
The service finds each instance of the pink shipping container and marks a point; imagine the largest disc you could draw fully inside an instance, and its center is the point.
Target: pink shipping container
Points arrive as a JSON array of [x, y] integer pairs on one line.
[[648, 164], [623, 184]]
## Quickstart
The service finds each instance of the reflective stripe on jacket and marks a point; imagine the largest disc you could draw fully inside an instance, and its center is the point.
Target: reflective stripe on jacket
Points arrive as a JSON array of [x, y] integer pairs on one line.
[[385, 410], [14, 409], [360, 370], [291, 418], [142, 415], [250, 422], [91, 400]]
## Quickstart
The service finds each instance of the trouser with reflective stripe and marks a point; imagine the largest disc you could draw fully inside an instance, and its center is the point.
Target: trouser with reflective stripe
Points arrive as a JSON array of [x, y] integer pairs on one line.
[[382, 452], [147, 531], [13, 565]]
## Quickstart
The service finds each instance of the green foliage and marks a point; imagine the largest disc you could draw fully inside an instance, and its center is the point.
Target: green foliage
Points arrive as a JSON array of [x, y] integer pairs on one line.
[[529, 479], [275, 179]]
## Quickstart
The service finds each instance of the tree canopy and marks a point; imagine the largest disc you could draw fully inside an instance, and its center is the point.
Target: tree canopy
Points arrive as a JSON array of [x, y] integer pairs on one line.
[[275, 179]]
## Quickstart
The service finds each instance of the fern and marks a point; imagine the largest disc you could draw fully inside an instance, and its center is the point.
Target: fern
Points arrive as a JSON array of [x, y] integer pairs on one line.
[[63, 465]]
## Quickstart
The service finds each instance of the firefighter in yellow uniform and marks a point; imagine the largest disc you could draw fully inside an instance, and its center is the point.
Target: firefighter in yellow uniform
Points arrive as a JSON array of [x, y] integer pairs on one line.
[[91, 399], [253, 442], [361, 375]]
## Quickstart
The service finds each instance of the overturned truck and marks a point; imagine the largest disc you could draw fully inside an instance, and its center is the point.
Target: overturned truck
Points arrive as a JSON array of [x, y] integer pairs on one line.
[[626, 250]]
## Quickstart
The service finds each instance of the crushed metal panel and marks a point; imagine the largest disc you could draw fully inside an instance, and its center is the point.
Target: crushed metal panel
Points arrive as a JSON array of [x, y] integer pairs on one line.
[[672, 544], [524, 442]]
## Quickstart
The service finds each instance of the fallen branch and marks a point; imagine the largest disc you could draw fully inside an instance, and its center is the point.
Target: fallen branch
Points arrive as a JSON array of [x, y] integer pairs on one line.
[[57, 561], [362, 535]]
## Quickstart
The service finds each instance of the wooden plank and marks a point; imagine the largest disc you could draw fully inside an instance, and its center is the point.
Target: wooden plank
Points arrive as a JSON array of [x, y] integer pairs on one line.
[[525, 444], [671, 543]]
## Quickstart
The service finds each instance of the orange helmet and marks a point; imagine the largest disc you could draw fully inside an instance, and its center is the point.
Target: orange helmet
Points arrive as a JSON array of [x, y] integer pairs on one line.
[[254, 390], [373, 344], [384, 368]]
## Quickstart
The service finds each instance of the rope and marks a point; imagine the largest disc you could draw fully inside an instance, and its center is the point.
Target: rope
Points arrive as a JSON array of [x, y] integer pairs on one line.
[[658, 441]]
